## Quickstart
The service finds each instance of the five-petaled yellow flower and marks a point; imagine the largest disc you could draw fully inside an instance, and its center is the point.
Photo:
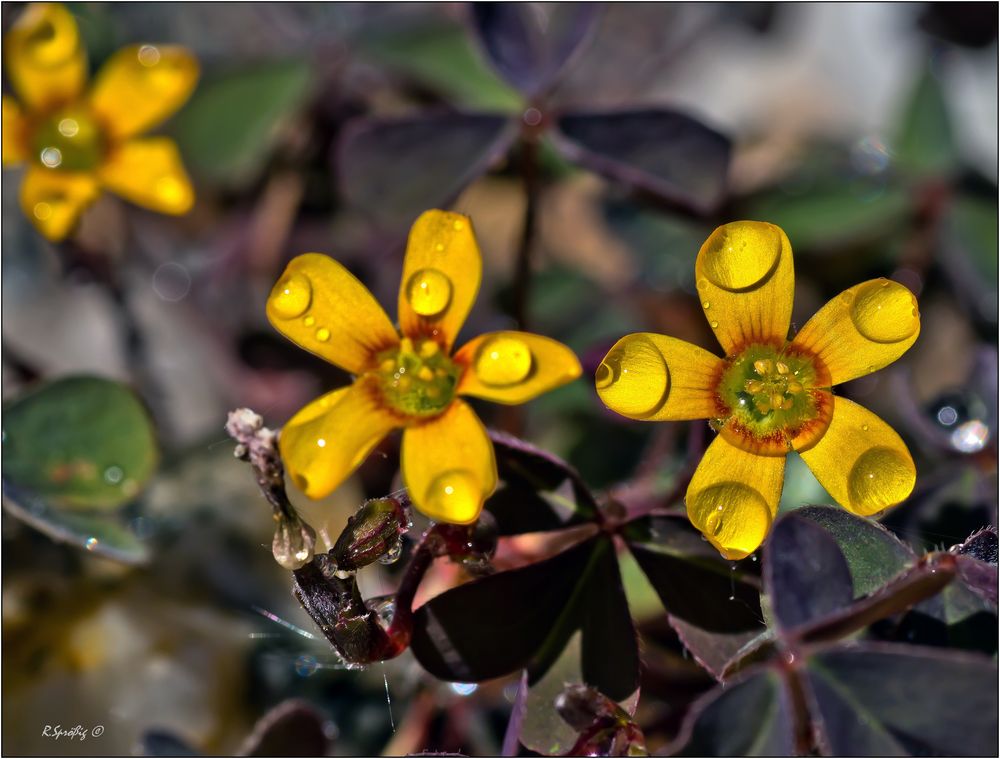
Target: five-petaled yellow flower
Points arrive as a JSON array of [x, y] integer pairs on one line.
[[408, 378], [74, 141], [769, 396]]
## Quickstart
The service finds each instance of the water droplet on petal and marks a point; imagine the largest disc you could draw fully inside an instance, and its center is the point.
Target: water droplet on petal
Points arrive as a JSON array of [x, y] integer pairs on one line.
[[734, 517], [503, 360], [292, 296], [880, 478], [633, 378], [715, 325], [885, 312], [309, 321], [454, 496], [741, 254], [322, 334], [429, 292]]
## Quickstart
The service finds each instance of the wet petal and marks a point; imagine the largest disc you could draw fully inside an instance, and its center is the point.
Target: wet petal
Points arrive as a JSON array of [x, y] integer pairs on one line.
[[746, 282], [141, 85], [320, 306], [448, 465], [54, 200], [441, 275], [15, 147], [514, 367], [149, 172], [733, 497], [658, 378], [329, 438], [44, 56], [861, 461], [863, 329]]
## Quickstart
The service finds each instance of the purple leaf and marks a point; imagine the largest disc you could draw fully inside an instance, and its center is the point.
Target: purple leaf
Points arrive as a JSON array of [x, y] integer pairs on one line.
[[805, 574], [666, 153], [394, 169], [529, 44]]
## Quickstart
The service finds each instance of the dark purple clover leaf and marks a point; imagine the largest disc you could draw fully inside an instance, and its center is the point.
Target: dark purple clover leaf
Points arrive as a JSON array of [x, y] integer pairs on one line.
[[805, 574], [523, 619], [751, 716], [529, 44], [873, 554], [669, 154], [712, 604], [397, 168], [539, 491], [885, 700]]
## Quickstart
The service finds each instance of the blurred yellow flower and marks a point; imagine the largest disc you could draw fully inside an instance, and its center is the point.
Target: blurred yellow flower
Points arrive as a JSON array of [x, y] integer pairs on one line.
[[76, 141], [769, 396], [408, 378]]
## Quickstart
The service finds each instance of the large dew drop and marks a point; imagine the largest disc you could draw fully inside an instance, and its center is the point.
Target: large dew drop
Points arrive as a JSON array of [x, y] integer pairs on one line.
[[734, 518], [880, 478], [740, 254], [454, 496], [885, 311], [429, 292], [503, 361], [633, 378], [292, 296]]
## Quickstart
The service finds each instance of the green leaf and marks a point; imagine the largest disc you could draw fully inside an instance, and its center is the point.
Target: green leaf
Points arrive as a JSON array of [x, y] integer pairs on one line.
[[874, 555], [885, 700], [444, 59], [104, 534], [79, 443], [227, 129], [924, 143]]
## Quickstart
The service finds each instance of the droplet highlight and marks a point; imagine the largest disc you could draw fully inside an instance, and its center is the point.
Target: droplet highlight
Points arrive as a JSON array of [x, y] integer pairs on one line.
[[885, 312], [429, 292], [503, 361], [739, 255], [880, 478], [454, 496], [734, 518], [292, 296], [633, 378]]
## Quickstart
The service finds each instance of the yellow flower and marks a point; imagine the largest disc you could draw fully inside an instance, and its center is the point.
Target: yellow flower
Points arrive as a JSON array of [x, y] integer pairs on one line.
[[408, 378], [769, 395], [76, 142]]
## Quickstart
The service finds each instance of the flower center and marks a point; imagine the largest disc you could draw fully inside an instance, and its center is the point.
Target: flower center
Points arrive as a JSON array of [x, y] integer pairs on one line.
[[417, 378], [772, 400], [70, 140]]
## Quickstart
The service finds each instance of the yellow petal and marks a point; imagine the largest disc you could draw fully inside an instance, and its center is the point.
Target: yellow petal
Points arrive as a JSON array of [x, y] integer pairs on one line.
[[320, 306], [861, 461], [141, 85], [54, 200], [658, 378], [329, 438], [448, 465], [149, 172], [44, 56], [733, 497], [15, 146], [514, 367], [862, 330], [441, 275], [746, 282]]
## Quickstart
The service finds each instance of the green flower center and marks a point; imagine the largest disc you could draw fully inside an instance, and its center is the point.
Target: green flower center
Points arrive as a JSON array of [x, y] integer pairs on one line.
[[768, 393], [69, 140], [417, 379]]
